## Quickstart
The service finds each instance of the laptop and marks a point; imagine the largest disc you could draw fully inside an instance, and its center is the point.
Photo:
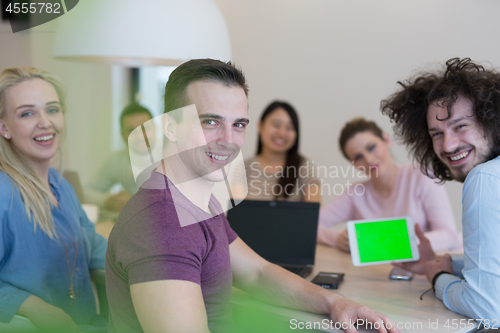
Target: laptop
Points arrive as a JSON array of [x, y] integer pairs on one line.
[[283, 233]]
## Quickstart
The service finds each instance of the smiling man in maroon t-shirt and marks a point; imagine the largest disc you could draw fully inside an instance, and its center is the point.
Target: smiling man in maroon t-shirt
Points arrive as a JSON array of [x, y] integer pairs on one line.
[[172, 256]]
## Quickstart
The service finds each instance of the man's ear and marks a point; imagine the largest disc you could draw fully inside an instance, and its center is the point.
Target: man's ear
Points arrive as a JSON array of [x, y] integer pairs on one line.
[[168, 126], [4, 131], [387, 138]]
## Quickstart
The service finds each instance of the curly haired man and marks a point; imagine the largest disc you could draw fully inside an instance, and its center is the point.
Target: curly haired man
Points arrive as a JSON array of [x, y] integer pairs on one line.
[[450, 121]]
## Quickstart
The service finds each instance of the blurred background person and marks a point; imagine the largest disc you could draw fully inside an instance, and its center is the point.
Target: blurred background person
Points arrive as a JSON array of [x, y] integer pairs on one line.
[[278, 171], [47, 243], [392, 190], [117, 170]]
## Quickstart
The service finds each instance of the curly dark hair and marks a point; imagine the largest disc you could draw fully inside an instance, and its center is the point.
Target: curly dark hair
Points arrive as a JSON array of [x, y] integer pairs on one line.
[[408, 108]]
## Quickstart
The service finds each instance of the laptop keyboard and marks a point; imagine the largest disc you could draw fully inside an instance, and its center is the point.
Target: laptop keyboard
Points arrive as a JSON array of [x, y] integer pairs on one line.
[[303, 271], [295, 270]]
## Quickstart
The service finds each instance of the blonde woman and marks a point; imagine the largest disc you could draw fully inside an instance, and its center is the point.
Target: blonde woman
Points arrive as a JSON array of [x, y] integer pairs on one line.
[[47, 244]]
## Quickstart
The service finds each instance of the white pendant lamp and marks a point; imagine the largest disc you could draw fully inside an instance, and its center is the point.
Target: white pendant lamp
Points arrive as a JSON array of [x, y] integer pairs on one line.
[[142, 32]]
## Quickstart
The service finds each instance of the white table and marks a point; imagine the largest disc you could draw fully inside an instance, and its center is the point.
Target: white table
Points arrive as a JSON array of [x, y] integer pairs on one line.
[[371, 286]]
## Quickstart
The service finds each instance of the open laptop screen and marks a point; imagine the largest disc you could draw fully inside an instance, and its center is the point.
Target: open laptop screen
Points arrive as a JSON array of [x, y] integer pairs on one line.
[[281, 232]]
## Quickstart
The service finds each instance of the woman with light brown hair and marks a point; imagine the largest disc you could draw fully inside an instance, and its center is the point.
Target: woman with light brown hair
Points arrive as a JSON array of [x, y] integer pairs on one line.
[[47, 243], [391, 190]]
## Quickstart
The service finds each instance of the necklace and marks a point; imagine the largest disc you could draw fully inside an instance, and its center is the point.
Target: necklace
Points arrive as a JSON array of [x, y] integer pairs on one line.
[[71, 272]]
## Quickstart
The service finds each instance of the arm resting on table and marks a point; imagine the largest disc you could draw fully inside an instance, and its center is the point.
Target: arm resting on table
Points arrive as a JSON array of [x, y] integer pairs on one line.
[[276, 285]]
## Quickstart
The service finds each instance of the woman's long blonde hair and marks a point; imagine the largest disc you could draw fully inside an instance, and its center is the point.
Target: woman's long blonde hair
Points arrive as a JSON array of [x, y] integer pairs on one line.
[[35, 195]]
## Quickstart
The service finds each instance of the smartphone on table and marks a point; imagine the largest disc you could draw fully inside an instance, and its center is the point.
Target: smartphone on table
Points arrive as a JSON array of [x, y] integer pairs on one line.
[[400, 274]]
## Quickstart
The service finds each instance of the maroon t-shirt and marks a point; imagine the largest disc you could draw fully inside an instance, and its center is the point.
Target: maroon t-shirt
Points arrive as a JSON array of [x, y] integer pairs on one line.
[[148, 243]]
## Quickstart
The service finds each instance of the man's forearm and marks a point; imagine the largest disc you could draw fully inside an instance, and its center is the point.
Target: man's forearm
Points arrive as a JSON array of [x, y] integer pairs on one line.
[[275, 285], [278, 286], [458, 264], [442, 282]]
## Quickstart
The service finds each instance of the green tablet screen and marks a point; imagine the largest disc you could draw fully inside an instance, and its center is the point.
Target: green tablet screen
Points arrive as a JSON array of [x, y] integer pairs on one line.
[[383, 240]]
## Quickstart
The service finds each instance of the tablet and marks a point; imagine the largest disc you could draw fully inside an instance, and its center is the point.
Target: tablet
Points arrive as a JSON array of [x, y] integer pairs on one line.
[[382, 241]]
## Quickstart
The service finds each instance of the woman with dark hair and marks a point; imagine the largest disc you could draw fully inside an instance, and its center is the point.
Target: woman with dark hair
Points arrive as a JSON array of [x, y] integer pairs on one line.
[[278, 171], [391, 190]]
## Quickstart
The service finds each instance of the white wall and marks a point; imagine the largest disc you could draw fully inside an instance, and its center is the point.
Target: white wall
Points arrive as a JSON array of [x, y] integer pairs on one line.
[[88, 120], [332, 59], [336, 59], [14, 48]]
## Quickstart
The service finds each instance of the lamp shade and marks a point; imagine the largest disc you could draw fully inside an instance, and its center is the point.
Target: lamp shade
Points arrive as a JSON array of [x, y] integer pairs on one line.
[[142, 33]]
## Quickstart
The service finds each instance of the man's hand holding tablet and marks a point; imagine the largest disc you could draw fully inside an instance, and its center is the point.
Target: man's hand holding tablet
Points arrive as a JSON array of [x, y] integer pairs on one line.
[[382, 241], [426, 254]]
